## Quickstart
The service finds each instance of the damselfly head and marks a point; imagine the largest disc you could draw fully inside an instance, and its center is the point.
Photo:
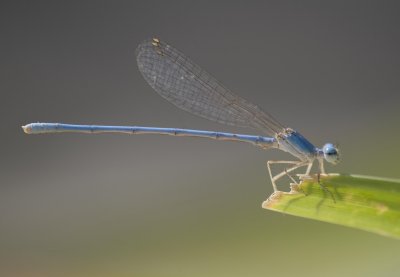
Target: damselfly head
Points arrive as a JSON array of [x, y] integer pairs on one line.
[[331, 153]]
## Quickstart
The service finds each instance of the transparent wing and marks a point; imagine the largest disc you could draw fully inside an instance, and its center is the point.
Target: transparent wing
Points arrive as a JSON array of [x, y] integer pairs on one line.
[[186, 85]]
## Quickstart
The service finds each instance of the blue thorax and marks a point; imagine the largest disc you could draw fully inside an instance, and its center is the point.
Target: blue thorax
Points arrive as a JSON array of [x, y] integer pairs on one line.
[[297, 145]]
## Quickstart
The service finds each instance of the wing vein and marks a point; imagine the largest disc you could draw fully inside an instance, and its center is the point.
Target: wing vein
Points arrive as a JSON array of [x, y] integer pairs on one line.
[[185, 84]]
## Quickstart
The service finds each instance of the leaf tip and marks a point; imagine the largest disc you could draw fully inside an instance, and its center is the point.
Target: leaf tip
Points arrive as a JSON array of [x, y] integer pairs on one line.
[[272, 199]]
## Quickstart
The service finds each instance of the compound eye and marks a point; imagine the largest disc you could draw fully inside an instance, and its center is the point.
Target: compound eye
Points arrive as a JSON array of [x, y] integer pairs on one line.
[[331, 154]]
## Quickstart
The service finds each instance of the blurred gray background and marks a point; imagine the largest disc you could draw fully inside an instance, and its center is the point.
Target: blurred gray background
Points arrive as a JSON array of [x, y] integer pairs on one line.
[[117, 205]]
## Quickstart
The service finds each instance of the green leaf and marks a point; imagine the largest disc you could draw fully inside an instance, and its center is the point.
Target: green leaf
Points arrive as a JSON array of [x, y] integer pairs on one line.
[[362, 202]]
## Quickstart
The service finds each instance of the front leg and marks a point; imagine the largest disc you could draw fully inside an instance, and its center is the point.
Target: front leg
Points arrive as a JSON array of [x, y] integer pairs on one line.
[[321, 166], [322, 172]]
